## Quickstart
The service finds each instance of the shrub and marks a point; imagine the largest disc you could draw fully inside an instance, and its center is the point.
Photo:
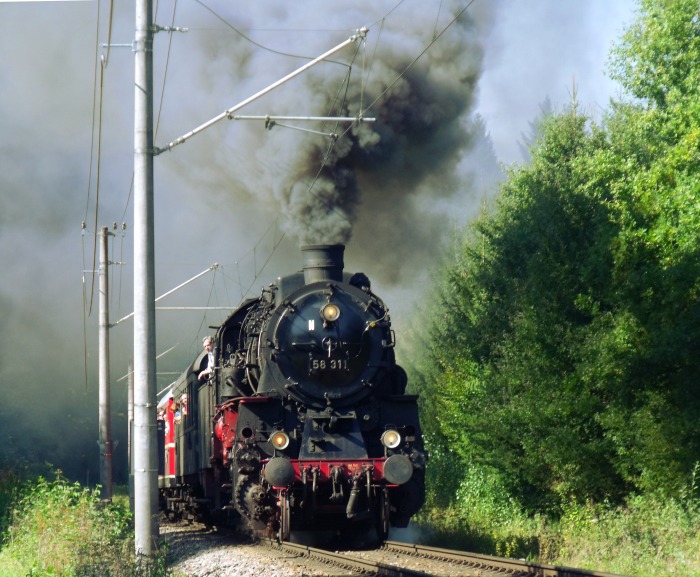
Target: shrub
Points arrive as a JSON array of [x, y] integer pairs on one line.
[[61, 529], [649, 536]]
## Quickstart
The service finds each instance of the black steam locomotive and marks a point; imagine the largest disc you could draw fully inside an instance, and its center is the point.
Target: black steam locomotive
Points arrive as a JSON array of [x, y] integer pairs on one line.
[[304, 423]]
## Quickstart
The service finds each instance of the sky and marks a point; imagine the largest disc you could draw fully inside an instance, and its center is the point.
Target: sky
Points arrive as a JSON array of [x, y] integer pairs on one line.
[[240, 195]]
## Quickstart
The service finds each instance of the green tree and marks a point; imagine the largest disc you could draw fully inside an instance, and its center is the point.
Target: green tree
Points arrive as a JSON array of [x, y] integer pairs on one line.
[[657, 58], [563, 345], [516, 320], [654, 412]]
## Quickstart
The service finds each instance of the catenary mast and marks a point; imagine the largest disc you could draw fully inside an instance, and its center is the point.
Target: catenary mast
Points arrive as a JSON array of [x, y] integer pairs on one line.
[[145, 457]]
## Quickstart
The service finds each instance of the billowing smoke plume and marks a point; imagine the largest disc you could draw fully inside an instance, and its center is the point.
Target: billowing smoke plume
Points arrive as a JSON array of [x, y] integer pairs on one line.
[[385, 166], [381, 187]]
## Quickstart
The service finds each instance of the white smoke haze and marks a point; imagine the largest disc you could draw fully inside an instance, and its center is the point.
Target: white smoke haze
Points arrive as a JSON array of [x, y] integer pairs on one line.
[[239, 194]]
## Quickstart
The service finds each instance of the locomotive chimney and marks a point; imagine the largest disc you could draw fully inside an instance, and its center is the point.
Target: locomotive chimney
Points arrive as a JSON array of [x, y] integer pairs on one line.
[[323, 262]]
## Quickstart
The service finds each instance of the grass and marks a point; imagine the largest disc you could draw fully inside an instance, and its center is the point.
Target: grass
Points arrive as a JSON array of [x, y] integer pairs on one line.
[[60, 529], [647, 537]]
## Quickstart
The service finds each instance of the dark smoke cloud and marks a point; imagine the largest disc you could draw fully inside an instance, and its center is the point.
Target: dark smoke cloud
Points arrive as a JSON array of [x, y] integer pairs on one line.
[[382, 187], [420, 131]]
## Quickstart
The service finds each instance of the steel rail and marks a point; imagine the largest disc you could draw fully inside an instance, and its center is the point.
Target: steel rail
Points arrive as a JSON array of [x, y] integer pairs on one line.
[[487, 561], [346, 561]]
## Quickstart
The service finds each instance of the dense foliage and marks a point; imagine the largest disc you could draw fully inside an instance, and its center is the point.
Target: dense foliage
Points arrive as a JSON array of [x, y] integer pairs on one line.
[[561, 362]]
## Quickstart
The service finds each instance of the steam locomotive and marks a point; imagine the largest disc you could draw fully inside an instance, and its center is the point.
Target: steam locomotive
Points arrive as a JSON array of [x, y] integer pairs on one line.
[[304, 423]]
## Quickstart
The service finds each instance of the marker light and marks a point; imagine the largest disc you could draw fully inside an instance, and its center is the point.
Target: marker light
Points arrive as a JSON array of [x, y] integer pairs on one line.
[[330, 312], [279, 440], [391, 439]]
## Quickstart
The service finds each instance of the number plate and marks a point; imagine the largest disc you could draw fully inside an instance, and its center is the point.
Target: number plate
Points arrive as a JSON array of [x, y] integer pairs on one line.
[[327, 364]]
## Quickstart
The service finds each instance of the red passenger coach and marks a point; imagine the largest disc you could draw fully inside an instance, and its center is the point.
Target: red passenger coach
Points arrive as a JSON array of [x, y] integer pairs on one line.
[[170, 440]]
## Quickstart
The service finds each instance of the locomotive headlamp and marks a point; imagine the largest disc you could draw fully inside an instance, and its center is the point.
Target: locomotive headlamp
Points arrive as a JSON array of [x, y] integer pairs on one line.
[[330, 312], [279, 440], [391, 439]]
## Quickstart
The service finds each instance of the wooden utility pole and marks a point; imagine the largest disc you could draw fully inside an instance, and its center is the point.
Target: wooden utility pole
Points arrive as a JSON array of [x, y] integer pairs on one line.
[[105, 419], [144, 439]]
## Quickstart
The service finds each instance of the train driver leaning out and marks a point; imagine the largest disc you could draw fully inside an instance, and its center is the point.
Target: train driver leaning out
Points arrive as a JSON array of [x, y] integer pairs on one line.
[[206, 373]]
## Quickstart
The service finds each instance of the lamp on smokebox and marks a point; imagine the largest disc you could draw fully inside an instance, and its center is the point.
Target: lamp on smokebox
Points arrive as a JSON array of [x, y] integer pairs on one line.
[[330, 312]]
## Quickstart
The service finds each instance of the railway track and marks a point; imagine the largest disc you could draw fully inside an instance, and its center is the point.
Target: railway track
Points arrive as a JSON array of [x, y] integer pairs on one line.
[[396, 559], [200, 551]]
